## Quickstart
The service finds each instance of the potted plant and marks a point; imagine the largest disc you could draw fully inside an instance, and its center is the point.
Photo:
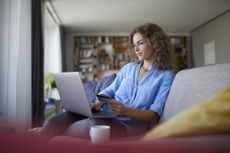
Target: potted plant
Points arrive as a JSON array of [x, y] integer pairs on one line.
[[103, 56], [49, 85], [180, 63]]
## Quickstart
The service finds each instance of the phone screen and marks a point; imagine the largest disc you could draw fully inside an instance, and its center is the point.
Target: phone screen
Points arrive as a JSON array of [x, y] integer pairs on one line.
[[103, 98]]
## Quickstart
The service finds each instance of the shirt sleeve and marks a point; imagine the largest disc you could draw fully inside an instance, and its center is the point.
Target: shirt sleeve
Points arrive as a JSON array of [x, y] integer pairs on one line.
[[111, 89], [162, 94]]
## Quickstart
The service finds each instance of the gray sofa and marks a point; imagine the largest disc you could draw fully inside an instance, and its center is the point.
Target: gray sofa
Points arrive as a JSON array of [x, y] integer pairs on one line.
[[193, 86], [190, 87]]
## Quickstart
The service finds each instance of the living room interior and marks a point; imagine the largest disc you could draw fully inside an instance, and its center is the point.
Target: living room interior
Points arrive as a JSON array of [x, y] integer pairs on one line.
[[198, 30], [188, 37]]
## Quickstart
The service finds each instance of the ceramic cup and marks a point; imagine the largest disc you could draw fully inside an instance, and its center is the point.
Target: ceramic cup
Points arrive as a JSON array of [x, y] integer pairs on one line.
[[99, 133]]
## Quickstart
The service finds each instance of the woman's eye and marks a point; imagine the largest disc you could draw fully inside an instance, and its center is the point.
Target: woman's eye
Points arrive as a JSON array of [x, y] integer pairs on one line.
[[140, 43]]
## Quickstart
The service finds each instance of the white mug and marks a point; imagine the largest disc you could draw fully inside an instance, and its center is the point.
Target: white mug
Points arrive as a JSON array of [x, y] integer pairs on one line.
[[99, 133]]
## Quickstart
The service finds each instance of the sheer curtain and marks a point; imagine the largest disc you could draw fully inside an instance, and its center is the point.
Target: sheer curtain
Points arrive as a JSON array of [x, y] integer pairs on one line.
[[15, 58], [1, 66]]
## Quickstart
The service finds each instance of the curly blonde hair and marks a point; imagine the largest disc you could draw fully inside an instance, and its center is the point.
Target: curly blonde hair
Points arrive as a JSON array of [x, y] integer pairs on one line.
[[160, 42]]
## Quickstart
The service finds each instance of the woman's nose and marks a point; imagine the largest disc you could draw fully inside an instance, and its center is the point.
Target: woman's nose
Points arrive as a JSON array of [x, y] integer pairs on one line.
[[136, 48]]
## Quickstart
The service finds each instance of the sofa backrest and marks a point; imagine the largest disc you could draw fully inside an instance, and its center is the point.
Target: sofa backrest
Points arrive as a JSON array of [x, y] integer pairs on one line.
[[193, 86]]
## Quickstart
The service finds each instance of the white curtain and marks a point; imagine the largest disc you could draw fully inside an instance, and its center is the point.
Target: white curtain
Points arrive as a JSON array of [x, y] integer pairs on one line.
[[15, 58], [2, 61]]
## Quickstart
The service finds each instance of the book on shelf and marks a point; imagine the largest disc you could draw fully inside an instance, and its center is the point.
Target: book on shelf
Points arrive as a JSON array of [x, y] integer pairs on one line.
[[86, 53], [86, 46], [86, 60], [175, 40]]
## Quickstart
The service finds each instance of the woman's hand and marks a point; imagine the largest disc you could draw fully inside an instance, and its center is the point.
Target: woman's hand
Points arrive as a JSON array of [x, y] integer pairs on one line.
[[96, 105], [117, 107], [146, 116]]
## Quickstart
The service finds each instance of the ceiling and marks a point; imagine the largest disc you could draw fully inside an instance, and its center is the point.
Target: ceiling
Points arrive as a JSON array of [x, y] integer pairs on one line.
[[121, 16]]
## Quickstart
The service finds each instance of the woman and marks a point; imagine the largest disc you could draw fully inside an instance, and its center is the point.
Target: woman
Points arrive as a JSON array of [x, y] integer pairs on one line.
[[139, 91]]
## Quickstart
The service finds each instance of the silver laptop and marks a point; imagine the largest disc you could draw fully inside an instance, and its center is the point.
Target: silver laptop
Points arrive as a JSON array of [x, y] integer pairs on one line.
[[73, 97]]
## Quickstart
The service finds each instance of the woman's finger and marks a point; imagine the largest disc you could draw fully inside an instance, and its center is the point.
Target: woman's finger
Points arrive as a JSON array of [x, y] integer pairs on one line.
[[91, 105]]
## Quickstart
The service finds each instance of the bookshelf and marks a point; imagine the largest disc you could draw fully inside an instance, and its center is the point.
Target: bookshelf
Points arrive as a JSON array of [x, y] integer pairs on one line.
[[180, 47], [94, 55]]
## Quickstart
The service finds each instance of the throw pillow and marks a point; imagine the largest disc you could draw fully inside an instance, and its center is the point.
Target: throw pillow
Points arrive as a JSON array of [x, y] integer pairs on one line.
[[94, 87], [209, 117]]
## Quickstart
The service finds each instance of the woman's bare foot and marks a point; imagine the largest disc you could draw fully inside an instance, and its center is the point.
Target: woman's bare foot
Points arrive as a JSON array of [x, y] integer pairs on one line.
[[34, 132]]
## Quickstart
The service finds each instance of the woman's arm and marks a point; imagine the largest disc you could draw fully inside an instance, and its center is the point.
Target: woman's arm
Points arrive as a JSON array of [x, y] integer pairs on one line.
[[111, 89], [146, 116]]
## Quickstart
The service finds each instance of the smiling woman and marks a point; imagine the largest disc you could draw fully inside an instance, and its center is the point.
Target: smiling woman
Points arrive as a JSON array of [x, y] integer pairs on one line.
[[137, 98]]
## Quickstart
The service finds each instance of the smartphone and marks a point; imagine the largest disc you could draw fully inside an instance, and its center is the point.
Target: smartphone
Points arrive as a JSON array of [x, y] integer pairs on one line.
[[103, 98]]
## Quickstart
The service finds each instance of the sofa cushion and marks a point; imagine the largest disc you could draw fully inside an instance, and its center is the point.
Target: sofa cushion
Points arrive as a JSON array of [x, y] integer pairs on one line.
[[193, 86], [94, 87], [209, 117]]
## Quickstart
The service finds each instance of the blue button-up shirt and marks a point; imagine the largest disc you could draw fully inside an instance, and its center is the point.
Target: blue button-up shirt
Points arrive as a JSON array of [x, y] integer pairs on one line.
[[150, 93]]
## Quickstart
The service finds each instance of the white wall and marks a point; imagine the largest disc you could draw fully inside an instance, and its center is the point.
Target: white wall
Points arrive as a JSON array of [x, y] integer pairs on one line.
[[15, 64], [218, 31]]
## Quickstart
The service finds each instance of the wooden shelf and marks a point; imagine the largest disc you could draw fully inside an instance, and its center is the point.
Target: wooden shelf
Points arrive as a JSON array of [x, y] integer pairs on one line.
[[179, 45], [95, 54]]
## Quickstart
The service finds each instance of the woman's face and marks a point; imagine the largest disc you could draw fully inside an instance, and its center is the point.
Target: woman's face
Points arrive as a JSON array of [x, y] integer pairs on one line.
[[142, 47]]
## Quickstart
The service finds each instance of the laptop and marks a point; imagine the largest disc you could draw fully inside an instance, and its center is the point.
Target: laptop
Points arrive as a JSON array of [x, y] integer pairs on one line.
[[73, 96]]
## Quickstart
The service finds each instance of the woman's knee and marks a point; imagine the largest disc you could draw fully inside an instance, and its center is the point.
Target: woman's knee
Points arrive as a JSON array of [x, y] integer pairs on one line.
[[57, 124], [80, 129], [54, 120], [64, 118]]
